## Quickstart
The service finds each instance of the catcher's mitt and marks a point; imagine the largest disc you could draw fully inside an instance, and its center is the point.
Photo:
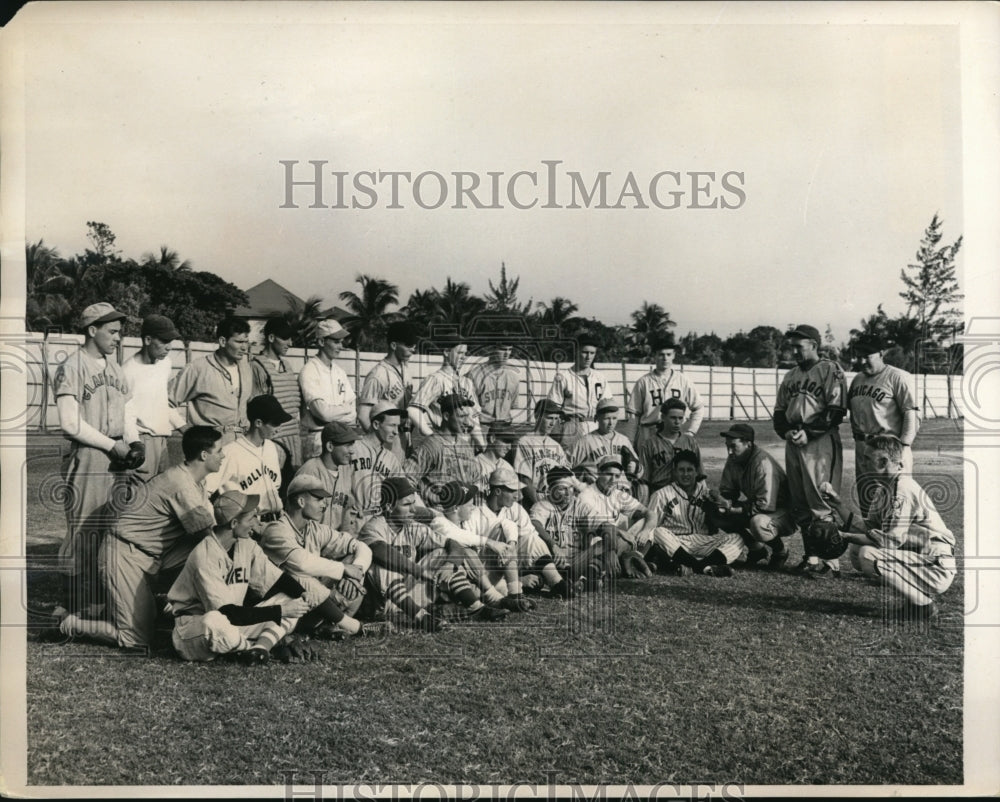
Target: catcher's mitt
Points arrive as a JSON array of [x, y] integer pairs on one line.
[[823, 539], [131, 461], [634, 566]]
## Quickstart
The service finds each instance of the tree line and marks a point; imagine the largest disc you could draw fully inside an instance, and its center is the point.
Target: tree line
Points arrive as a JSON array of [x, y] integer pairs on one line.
[[922, 338]]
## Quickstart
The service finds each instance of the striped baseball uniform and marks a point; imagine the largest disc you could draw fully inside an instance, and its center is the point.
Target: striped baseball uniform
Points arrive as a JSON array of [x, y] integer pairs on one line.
[[652, 390], [915, 556], [681, 524], [275, 377], [442, 382], [341, 482], [213, 396], [534, 456], [805, 397], [207, 600], [389, 380], [497, 390], [253, 470], [372, 463], [656, 454]]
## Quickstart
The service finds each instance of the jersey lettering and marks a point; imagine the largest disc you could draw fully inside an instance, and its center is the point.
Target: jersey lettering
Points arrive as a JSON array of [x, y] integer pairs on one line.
[[237, 575]]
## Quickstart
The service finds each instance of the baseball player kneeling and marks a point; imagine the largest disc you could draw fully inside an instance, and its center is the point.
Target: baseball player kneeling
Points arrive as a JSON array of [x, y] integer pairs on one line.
[[677, 525], [207, 599], [902, 541]]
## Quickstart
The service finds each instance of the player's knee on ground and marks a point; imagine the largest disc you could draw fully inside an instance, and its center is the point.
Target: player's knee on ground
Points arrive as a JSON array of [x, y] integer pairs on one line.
[[762, 528], [867, 560]]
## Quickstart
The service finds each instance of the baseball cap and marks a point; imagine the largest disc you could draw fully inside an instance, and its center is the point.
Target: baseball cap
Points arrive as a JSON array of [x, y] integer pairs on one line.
[[396, 488], [268, 409], [869, 344], [160, 327], [662, 341], [403, 332], [330, 328], [606, 405], [609, 461], [449, 402], [338, 433], [231, 505], [453, 494], [96, 314], [307, 483], [744, 431], [384, 407], [503, 431], [586, 471], [548, 407], [558, 474], [804, 331], [503, 476], [685, 455]]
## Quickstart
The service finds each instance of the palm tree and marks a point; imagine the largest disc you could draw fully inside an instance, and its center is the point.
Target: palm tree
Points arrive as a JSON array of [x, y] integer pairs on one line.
[[424, 307], [304, 317], [650, 320], [557, 312], [368, 317], [458, 304], [166, 258]]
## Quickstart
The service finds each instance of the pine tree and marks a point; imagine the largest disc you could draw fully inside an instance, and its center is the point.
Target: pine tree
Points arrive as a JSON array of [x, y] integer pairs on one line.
[[932, 287]]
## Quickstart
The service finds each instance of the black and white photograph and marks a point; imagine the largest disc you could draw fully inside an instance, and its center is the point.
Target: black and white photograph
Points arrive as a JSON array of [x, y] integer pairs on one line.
[[524, 400]]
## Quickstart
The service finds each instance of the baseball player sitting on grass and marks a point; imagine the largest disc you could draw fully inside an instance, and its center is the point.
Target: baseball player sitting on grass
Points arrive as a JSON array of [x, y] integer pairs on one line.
[[298, 542], [752, 498], [656, 451], [209, 598], [605, 442], [902, 541], [676, 525], [414, 567], [252, 463]]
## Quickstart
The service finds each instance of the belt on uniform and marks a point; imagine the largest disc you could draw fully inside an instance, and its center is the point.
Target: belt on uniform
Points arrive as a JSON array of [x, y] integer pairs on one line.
[[136, 546], [268, 517], [233, 427]]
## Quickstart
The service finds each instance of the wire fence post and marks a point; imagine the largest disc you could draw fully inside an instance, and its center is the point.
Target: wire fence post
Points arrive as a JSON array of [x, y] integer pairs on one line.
[[732, 393], [753, 381], [44, 421], [711, 371]]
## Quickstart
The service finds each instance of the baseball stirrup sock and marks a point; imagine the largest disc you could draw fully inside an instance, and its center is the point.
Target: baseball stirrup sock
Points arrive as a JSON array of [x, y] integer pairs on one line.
[[684, 558], [716, 558], [399, 595], [460, 589]]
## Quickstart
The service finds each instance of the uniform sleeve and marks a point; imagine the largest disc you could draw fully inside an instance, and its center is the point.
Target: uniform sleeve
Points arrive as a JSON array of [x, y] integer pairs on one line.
[[264, 574], [522, 465], [373, 388], [181, 387], [192, 510], [209, 585], [278, 541], [637, 398], [443, 528], [781, 400], [836, 387], [541, 511], [557, 392], [766, 484], [729, 484], [261, 379], [695, 405], [657, 503], [311, 383], [904, 391], [578, 452], [66, 380]]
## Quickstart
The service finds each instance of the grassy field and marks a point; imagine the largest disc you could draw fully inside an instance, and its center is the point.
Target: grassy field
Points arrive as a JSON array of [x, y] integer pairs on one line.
[[763, 679]]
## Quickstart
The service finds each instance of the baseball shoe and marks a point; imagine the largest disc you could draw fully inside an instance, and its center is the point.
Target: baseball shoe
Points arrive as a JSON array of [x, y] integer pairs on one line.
[[252, 657], [517, 603], [532, 583], [718, 570], [430, 623], [487, 614], [905, 612], [778, 559], [682, 570], [563, 589], [804, 566], [755, 555], [823, 570], [376, 629]]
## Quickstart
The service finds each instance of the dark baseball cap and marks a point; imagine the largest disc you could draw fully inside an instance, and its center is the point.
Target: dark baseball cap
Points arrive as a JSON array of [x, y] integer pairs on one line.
[[743, 431], [403, 332], [279, 327], [803, 331], [268, 409], [160, 327], [662, 341], [685, 455], [609, 461], [548, 407], [869, 344], [449, 402], [557, 474], [395, 489], [338, 433], [453, 494]]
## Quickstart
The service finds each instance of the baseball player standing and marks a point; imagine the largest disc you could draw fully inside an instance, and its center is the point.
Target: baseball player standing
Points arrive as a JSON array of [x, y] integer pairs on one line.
[[497, 386], [425, 411], [811, 403], [881, 400], [272, 375], [217, 387], [659, 385], [374, 456], [252, 462], [577, 392], [327, 394], [94, 401], [389, 381], [148, 373]]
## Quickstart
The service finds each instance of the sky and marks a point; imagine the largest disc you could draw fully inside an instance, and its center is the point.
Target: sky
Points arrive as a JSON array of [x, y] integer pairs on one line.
[[842, 141]]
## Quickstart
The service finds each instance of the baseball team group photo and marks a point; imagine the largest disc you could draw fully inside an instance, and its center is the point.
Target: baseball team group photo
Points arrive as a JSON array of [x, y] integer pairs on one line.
[[412, 406]]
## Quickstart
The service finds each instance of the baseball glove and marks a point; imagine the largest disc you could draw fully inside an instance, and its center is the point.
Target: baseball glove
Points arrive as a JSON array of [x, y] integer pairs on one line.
[[634, 566], [131, 461], [823, 539], [295, 648]]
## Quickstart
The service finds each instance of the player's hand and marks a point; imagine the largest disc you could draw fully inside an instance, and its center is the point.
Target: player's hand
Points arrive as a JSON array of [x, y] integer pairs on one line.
[[797, 437], [499, 548], [316, 593], [828, 493], [295, 608], [428, 573], [350, 589], [352, 571], [119, 450]]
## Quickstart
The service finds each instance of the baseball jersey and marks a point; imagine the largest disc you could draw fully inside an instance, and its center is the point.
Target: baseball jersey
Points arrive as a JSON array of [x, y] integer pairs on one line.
[[283, 543], [568, 539], [253, 470], [805, 395], [908, 519], [496, 388], [652, 390], [274, 377], [534, 456], [372, 463], [878, 403], [173, 505], [439, 383], [340, 482], [387, 380], [443, 457], [99, 387], [591, 447], [760, 479], [515, 514], [579, 393], [329, 383], [657, 452], [149, 383], [213, 578], [594, 508], [413, 540], [679, 512], [212, 396]]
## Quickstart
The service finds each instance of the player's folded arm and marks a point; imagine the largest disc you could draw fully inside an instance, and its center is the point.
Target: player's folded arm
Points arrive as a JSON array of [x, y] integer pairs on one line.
[[385, 556], [248, 616], [781, 424], [286, 584]]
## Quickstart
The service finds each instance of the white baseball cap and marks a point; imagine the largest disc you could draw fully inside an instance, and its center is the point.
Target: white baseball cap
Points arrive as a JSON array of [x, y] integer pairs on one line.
[[330, 328]]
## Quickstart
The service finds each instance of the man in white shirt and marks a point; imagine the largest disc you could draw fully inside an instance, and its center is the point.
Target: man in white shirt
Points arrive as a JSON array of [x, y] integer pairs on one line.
[[327, 394], [148, 374]]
